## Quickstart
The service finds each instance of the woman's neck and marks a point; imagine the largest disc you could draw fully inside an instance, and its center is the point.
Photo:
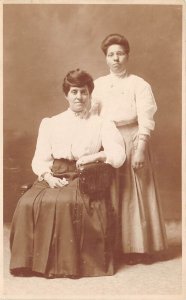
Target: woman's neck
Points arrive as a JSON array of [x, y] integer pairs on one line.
[[119, 74], [75, 113]]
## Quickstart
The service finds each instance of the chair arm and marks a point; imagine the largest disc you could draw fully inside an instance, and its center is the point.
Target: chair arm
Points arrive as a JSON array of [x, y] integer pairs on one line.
[[25, 187]]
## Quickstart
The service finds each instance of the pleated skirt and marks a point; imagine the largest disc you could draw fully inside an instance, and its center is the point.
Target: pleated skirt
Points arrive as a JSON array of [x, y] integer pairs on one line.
[[141, 218], [61, 232]]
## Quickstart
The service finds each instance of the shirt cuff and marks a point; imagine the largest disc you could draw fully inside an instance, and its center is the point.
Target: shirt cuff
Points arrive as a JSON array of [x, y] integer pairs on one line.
[[41, 177], [144, 130]]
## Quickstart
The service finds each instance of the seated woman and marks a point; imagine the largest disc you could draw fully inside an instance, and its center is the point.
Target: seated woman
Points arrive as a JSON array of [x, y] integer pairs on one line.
[[56, 230]]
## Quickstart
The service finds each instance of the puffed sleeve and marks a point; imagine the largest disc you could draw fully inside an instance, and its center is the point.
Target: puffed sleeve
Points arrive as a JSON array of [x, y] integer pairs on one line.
[[96, 98], [96, 92], [146, 107], [113, 144], [43, 160]]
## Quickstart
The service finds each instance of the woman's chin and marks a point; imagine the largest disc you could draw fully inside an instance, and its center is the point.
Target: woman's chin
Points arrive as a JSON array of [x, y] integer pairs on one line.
[[77, 109], [116, 70]]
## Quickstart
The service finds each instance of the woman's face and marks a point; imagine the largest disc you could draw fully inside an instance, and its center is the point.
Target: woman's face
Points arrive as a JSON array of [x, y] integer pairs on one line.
[[78, 98], [116, 58]]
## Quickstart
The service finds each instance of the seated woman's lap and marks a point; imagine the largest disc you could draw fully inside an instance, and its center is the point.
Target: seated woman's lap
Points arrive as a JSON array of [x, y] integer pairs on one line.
[[63, 216]]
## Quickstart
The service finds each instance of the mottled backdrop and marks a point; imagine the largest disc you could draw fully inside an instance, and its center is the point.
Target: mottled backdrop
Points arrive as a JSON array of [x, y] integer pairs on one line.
[[43, 42]]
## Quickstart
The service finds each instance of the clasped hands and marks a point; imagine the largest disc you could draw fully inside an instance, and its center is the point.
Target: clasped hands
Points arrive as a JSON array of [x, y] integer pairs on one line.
[[58, 182], [55, 181]]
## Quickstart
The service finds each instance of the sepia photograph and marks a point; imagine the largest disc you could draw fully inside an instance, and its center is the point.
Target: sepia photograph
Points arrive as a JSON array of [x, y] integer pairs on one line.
[[93, 150]]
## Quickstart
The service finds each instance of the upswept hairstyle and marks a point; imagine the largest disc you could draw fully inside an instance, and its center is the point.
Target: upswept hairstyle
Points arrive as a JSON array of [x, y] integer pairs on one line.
[[117, 39], [77, 78]]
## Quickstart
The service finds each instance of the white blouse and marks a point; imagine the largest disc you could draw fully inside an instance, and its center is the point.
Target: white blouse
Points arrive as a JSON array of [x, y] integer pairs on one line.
[[68, 136], [124, 99]]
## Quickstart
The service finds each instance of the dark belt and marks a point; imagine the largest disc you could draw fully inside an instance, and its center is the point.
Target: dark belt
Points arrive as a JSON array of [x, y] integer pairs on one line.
[[64, 168]]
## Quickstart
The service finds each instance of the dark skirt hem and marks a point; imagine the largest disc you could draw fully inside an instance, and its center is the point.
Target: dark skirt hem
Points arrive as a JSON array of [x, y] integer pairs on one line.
[[28, 272]]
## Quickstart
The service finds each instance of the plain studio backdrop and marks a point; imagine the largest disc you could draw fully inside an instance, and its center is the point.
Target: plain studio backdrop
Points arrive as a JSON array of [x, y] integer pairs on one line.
[[42, 42]]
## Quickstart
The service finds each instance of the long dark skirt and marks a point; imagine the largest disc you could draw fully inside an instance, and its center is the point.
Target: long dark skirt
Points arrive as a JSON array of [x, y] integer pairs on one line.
[[60, 232]]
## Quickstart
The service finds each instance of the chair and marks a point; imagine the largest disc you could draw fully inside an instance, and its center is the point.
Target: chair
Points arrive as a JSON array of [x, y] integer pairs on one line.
[[25, 187]]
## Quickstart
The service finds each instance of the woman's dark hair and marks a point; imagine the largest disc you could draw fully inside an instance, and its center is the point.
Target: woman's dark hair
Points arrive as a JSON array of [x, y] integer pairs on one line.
[[77, 78], [117, 39]]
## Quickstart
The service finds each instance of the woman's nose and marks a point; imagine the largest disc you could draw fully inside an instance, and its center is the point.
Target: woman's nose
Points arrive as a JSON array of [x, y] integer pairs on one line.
[[79, 95], [116, 57]]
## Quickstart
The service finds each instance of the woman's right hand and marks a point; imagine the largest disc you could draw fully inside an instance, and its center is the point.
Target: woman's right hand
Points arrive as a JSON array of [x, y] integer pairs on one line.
[[138, 159], [54, 181]]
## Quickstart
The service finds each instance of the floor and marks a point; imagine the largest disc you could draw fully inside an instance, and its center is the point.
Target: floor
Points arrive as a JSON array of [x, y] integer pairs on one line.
[[142, 281]]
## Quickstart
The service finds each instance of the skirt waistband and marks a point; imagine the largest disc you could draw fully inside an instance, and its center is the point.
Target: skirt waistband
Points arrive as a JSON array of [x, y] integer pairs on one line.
[[126, 123]]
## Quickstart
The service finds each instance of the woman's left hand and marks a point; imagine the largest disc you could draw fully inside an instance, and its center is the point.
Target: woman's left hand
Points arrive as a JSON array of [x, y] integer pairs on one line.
[[85, 160], [99, 156], [138, 159]]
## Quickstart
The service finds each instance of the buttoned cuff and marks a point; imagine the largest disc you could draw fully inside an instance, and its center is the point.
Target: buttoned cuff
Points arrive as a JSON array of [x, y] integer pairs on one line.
[[144, 131]]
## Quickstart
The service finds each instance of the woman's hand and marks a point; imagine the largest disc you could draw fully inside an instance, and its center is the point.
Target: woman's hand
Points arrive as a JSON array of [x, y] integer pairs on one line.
[[54, 181], [100, 156], [84, 160], [138, 159], [138, 155]]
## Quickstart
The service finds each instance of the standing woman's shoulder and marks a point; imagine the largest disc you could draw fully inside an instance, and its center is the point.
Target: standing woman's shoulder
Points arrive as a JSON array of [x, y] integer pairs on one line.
[[138, 81], [100, 80]]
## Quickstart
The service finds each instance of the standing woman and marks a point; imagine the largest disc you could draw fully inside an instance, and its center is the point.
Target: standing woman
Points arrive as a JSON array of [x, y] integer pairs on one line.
[[128, 100]]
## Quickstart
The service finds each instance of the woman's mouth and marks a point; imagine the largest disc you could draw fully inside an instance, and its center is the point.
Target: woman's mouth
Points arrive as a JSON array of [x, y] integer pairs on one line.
[[78, 102], [115, 64]]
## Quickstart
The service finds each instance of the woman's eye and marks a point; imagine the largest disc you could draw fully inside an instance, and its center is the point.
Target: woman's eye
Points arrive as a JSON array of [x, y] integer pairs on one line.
[[120, 53], [84, 93], [74, 92], [117, 53]]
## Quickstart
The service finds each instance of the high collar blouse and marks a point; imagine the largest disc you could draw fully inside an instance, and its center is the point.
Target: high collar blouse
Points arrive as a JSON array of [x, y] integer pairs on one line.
[[124, 99], [68, 136]]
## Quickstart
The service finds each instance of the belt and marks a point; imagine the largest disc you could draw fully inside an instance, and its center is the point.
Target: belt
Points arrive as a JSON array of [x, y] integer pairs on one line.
[[126, 122]]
